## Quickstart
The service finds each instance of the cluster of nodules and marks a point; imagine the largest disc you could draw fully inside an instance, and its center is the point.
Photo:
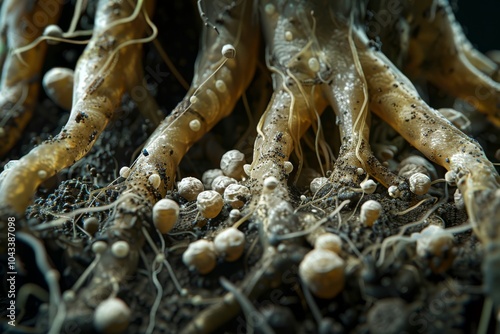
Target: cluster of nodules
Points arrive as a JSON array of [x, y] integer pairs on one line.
[[218, 188], [322, 269]]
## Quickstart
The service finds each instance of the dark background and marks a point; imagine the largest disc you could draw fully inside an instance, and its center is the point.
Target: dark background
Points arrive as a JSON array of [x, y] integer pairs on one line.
[[481, 22]]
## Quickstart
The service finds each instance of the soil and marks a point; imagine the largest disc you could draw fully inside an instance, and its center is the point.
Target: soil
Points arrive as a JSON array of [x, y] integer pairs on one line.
[[405, 293]]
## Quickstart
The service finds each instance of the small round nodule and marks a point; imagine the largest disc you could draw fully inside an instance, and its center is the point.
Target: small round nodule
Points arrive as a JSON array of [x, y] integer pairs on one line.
[[91, 225], [209, 203], [112, 316], [433, 239], [329, 241], [230, 243], [369, 186], [190, 187], [154, 180], [42, 174], [235, 214], [228, 51], [120, 249], [322, 271], [370, 211], [200, 255], [99, 247], [209, 176], [195, 125], [317, 183], [313, 64], [58, 85], [232, 163], [394, 191], [124, 172], [53, 30], [419, 183], [270, 183], [165, 214], [236, 195], [220, 183]]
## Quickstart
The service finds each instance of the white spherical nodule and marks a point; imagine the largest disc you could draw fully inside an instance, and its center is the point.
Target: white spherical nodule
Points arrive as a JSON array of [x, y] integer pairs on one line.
[[124, 172], [288, 36], [317, 183], [190, 187], [120, 249], [228, 51], [270, 183], [42, 174], [58, 85], [419, 183], [193, 99], [220, 183], [236, 195], [235, 214], [230, 243], [329, 241], [368, 186], [247, 168], [370, 211], [209, 176], [112, 316], [322, 271], [99, 247], [200, 256], [154, 180], [53, 30], [313, 64], [288, 167], [394, 191], [416, 164], [209, 203], [433, 239], [231, 164], [165, 215], [195, 125]]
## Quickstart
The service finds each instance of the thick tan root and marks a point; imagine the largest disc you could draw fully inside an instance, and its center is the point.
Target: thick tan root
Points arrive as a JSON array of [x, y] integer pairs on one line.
[[97, 91], [448, 60], [396, 101], [20, 83], [353, 116], [217, 86]]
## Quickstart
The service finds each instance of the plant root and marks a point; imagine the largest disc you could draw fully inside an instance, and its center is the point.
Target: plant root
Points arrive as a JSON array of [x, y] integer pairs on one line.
[[19, 86]]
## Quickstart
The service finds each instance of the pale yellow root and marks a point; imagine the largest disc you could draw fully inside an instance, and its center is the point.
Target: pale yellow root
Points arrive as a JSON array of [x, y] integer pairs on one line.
[[97, 94], [448, 60], [20, 83], [167, 145], [288, 115], [353, 114], [395, 100]]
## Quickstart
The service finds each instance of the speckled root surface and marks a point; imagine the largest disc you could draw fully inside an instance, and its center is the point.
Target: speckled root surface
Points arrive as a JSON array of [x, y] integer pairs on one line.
[[329, 168]]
